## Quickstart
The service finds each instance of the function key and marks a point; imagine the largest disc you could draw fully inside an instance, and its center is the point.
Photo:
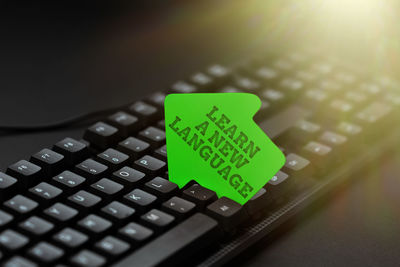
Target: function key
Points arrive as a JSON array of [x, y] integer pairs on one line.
[[199, 195], [128, 176], [27, 173], [12, 241], [146, 112], [157, 219], [36, 226], [94, 224], [91, 169], [134, 147], [112, 246], [113, 159], [5, 218], [154, 136], [21, 205], [228, 212], [140, 199], [88, 258], [150, 165], [126, 124], [106, 188], [68, 181], [135, 232], [73, 150], [183, 87], [161, 153], [84, 200], [161, 187], [118, 211], [8, 186], [60, 213], [157, 99], [101, 135], [179, 207], [45, 192], [45, 252], [50, 161], [70, 238]]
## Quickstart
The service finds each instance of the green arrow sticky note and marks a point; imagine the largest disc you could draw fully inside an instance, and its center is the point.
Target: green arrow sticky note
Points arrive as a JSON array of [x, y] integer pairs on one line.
[[213, 139]]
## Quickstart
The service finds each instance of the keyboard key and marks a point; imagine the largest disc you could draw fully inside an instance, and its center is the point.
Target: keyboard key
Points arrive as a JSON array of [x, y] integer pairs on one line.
[[179, 207], [106, 188], [36, 226], [73, 150], [161, 153], [295, 162], [84, 200], [200, 231], [112, 246], [373, 113], [12, 241], [315, 148], [199, 195], [152, 135], [88, 258], [161, 187], [117, 211], [60, 212], [202, 81], [182, 87], [280, 186], [126, 124], [101, 135], [128, 176], [113, 159], [258, 202], [247, 84], [8, 186], [140, 199], [26, 173], [70, 238], [333, 139], [157, 99], [150, 165], [68, 181], [134, 232], [51, 162], [91, 169], [145, 112], [349, 129], [5, 218], [45, 192], [218, 71], [133, 147], [18, 261], [157, 219], [228, 212], [21, 205], [161, 124], [94, 224], [45, 252]]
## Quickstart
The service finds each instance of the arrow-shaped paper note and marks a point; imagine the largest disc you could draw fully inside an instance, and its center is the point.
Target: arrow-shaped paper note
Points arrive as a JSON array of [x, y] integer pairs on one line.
[[213, 139]]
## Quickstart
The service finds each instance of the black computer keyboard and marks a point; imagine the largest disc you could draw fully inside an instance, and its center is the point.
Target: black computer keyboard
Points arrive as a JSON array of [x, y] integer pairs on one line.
[[106, 199]]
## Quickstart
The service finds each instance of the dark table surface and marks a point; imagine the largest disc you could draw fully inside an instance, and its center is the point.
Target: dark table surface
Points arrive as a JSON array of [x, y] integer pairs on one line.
[[53, 66]]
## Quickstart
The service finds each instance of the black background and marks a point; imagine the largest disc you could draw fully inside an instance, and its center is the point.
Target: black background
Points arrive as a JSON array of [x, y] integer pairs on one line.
[[60, 61]]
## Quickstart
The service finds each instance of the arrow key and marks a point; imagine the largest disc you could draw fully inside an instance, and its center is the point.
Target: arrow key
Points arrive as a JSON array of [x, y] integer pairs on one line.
[[199, 195]]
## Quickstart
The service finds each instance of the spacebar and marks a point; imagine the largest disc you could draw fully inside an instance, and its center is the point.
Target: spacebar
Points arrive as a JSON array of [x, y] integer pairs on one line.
[[283, 121], [178, 243]]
